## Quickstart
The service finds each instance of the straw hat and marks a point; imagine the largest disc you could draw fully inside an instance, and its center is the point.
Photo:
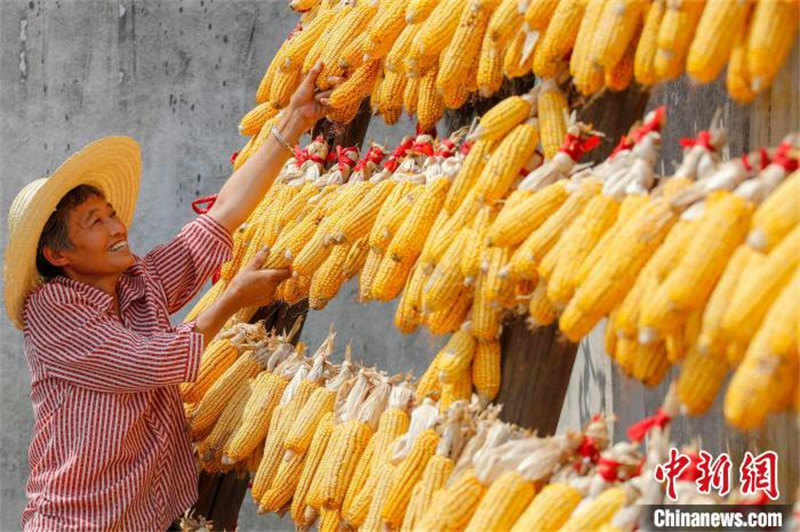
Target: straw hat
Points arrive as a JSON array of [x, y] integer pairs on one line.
[[111, 164]]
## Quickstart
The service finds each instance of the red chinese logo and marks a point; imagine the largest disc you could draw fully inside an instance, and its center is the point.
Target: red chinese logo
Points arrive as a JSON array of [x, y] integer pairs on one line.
[[760, 474], [670, 471], [714, 474]]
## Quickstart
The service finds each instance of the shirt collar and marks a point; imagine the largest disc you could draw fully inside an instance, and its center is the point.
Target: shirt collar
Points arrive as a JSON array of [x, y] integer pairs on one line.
[[130, 287]]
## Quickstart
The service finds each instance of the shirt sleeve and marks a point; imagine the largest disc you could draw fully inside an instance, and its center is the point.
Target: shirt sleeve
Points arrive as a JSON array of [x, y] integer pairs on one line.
[[92, 349], [186, 262]]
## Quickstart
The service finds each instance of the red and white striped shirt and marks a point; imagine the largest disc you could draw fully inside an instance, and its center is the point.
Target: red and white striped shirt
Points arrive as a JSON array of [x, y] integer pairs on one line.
[[109, 449]]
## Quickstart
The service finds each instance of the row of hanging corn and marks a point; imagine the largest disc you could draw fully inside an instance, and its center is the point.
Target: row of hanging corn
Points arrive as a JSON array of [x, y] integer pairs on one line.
[[428, 55], [667, 264], [360, 450]]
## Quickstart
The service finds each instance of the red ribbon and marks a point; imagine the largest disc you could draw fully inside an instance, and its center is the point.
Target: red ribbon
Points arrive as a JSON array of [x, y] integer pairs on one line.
[[588, 449], [423, 147], [654, 124], [204, 204], [446, 150], [466, 147], [431, 131], [625, 143], [607, 469], [638, 431], [343, 157], [692, 472], [782, 157], [703, 139], [234, 155], [300, 155], [374, 155], [392, 163], [575, 147]]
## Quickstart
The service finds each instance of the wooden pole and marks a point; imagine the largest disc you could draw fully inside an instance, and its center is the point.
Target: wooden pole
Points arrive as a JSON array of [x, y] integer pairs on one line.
[[220, 496]]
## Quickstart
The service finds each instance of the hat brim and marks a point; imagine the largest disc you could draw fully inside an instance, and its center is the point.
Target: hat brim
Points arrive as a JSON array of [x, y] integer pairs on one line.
[[112, 164]]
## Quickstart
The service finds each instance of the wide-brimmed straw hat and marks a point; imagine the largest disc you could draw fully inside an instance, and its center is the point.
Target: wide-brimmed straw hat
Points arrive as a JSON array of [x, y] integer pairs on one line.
[[111, 164]]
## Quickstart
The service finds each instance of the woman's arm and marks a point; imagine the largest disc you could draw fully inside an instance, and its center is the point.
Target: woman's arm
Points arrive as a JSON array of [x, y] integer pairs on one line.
[[242, 192]]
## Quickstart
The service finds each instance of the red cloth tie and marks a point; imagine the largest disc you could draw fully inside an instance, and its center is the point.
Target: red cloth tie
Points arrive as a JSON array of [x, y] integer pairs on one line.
[[638, 431]]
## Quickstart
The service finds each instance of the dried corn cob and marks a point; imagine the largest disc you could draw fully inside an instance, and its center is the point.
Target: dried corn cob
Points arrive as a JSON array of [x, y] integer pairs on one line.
[[615, 30], [773, 32], [559, 37], [513, 225], [511, 155], [644, 61], [587, 75], [553, 110], [465, 46], [430, 106], [777, 215], [384, 30], [316, 450], [714, 40], [490, 68], [675, 36]]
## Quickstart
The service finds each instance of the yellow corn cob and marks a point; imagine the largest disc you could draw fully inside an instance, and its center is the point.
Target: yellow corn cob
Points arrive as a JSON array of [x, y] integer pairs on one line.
[[254, 143], [514, 63], [615, 30], [700, 380], [712, 341], [407, 473], [357, 511], [435, 34], [634, 245], [407, 317], [391, 277], [627, 209], [580, 238], [486, 315], [410, 237], [543, 238], [356, 258], [664, 260], [399, 50], [440, 235], [650, 363], [539, 13], [384, 30], [464, 48], [456, 356], [486, 369], [777, 215], [446, 280], [587, 75], [511, 155], [221, 392], [299, 203], [472, 256], [737, 78], [352, 55], [549, 509], [502, 118], [360, 476], [504, 502], [392, 214], [456, 96], [715, 38], [619, 77], [644, 61], [210, 448], [766, 380], [545, 268], [758, 288], [540, 309], [490, 68], [264, 87], [675, 36], [411, 95], [367, 276], [296, 289], [430, 106], [462, 499], [302, 428], [458, 390], [429, 384], [449, 319], [773, 32], [356, 87], [418, 10], [283, 486], [358, 221], [283, 86], [350, 446], [351, 24], [552, 118], [254, 459], [393, 422], [514, 225], [505, 21], [316, 451], [559, 37], [300, 45], [266, 392], [282, 417], [390, 103], [496, 287], [251, 122], [687, 287], [329, 520], [470, 171], [597, 512], [217, 357], [433, 479], [383, 483]]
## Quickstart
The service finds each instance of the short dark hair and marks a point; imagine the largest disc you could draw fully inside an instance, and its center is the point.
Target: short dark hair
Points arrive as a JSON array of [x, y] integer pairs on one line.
[[55, 234]]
